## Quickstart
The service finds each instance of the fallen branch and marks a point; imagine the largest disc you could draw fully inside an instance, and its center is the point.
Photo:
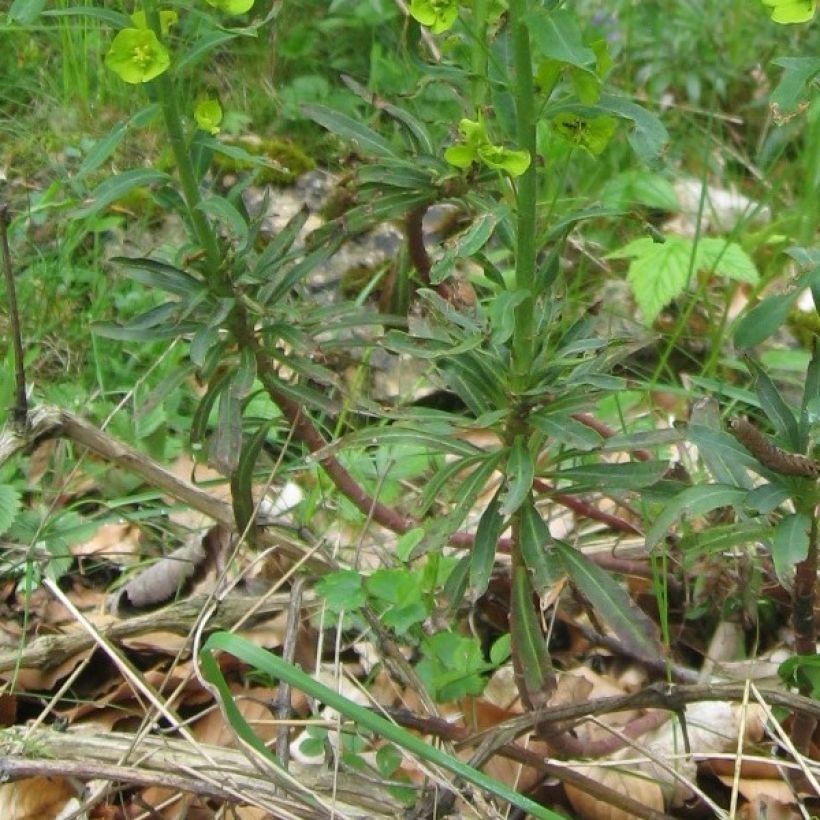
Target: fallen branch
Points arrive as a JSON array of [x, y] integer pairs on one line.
[[211, 771]]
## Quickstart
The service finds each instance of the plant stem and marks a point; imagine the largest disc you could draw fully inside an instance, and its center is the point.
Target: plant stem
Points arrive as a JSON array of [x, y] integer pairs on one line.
[[190, 189], [524, 93], [479, 53]]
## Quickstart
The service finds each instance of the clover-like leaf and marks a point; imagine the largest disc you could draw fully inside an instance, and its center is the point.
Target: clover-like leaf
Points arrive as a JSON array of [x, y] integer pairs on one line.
[[792, 11], [231, 6], [437, 15], [590, 133], [137, 56], [208, 115]]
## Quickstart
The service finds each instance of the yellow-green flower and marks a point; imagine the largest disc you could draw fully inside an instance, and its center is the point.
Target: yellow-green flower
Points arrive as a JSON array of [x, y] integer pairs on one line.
[[208, 115], [137, 55], [437, 15], [476, 147], [792, 11], [231, 6], [590, 133]]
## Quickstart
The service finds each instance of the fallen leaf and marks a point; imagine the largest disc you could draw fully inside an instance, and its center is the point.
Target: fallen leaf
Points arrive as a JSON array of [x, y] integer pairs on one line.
[[639, 788]]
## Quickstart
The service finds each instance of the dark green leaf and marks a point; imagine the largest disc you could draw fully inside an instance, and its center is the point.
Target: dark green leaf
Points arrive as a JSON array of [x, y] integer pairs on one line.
[[118, 187], [774, 406], [363, 138], [617, 610], [556, 35], [726, 459], [606, 478], [790, 544], [536, 549], [811, 395], [534, 673], [701, 498], [156, 274], [112, 18], [520, 474], [226, 441], [242, 478], [342, 590], [793, 88], [482, 556], [764, 319], [227, 213], [25, 12]]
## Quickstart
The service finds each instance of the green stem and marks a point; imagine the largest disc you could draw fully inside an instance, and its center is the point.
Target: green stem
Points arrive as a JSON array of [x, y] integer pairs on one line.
[[524, 93], [479, 53], [190, 189]]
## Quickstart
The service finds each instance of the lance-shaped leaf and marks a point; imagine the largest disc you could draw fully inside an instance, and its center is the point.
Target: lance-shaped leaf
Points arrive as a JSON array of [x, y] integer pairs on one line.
[[482, 556], [117, 187], [725, 458], [359, 135], [520, 474], [631, 475], [701, 498], [790, 544], [534, 674], [536, 549], [811, 398], [617, 610], [774, 405]]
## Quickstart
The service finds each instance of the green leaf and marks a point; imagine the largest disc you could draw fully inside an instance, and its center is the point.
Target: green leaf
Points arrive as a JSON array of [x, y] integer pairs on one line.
[[363, 138], [156, 274], [452, 666], [520, 474], [533, 667], [633, 627], [536, 549], [661, 271], [791, 95], [226, 441], [242, 478], [226, 212], [117, 187], [605, 478], [701, 498], [803, 672], [564, 429], [408, 542], [790, 544], [725, 458], [105, 146], [115, 19], [640, 187], [398, 599], [811, 396], [482, 555], [556, 35], [25, 12], [764, 319], [774, 406], [9, 506], [342, 590], [649, 137]]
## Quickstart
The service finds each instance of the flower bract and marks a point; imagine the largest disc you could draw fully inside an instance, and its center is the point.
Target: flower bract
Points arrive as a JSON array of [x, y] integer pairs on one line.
[[137, 55], [792, 11], [437, 15], [231, 6], [208, 115]]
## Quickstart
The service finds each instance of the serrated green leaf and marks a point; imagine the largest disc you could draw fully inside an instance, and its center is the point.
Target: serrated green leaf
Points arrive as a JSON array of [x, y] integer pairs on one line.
[[9, 506], [342, 590], [790, 543], [610, 601], [697, 500]]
